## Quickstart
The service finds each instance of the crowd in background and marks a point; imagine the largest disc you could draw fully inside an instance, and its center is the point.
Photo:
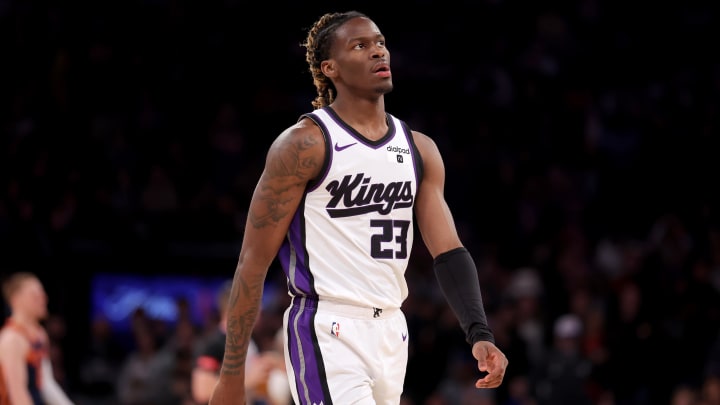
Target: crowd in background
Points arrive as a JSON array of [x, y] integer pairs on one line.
[[578, 144]]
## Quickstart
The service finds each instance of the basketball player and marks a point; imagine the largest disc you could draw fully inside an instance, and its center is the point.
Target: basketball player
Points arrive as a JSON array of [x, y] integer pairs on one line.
[[26, 375], [335, 203]]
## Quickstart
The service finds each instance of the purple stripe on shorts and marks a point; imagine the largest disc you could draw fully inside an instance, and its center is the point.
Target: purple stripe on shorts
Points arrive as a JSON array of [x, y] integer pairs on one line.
[[304, 356]]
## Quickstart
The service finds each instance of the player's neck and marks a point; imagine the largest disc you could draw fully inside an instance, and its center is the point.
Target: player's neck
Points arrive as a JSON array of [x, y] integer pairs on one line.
[[356, 108], [26, 321], [366, 116]]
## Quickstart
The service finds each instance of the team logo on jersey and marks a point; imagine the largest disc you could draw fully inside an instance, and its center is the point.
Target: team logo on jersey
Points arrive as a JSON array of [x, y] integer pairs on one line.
[[343, 147], [359, 196], [335, 329]]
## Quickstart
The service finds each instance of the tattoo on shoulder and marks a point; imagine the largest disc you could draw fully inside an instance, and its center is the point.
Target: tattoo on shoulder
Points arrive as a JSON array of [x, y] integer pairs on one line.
[[290, 166]]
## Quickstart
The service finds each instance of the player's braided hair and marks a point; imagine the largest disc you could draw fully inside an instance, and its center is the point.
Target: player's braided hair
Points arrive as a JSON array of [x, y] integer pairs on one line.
[[317, 46]]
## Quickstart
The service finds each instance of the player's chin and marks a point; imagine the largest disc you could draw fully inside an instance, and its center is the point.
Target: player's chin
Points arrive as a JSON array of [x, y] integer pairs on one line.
[[385, 87]]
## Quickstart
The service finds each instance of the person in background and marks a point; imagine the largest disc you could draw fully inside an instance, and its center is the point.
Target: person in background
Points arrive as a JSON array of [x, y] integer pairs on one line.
[[563, 376], [26, 376], [336, 205], [264, 371]]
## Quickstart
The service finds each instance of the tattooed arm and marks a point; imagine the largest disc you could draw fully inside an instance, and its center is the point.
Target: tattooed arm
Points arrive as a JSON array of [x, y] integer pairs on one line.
[[293, 159]]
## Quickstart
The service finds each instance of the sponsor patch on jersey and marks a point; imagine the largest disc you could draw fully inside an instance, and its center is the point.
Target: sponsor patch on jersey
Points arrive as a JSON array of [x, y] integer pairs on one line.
[[395, 153]]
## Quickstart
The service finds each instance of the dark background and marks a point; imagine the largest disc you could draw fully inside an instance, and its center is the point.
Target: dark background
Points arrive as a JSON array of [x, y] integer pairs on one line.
[[578, 139]]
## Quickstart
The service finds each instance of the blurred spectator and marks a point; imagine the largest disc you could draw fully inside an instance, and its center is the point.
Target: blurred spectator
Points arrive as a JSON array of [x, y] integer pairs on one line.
[[684, 395], [526, 291], [520, 392], [143, 378], [175, 355], [563, 376], [265, 378], [710, 390], [159, 194], [100, 364], [631, 339]]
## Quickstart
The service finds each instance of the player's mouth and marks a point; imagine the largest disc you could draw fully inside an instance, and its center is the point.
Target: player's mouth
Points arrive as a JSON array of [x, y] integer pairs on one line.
[[382, 69]]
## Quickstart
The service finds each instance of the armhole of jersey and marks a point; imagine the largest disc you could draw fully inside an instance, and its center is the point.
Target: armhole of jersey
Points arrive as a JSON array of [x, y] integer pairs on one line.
[[416, 153], [312, 184]]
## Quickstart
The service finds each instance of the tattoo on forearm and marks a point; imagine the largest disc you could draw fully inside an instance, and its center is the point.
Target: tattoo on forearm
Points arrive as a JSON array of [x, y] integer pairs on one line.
[[241, 320]]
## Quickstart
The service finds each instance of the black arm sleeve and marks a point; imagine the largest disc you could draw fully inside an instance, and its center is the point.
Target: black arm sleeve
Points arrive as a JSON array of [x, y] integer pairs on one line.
[[458, 279]]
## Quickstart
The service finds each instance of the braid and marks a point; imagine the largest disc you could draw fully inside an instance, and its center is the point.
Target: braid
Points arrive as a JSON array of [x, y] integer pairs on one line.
[[317, 45]]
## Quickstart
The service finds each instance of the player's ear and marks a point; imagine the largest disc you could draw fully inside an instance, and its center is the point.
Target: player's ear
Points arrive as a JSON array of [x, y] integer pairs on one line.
[[328, 68]]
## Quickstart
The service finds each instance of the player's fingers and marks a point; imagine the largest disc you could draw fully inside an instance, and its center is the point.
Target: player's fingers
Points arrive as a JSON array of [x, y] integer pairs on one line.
[[491, 380], [495, 367], [484, 383]]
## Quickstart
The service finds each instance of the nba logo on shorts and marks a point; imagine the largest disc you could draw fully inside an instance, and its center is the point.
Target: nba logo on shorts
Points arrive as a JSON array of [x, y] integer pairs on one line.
[[399, 158], [335, 329]]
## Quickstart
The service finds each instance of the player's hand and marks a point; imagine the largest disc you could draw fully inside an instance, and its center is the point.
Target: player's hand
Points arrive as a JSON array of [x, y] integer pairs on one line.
[[492, 361]]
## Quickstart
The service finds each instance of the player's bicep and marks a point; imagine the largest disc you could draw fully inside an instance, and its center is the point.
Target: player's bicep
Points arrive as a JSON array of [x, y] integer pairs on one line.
[[434, 218], [292, 161]]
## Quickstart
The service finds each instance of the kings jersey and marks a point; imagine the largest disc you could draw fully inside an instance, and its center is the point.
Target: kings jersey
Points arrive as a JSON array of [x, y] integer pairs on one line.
[[351, 237]]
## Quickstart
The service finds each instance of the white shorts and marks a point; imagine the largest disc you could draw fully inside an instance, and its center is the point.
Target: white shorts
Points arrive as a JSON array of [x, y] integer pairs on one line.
[[342, 354]]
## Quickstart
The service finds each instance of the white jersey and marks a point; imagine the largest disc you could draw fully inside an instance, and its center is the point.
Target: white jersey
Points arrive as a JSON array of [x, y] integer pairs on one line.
[[351, 236]]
